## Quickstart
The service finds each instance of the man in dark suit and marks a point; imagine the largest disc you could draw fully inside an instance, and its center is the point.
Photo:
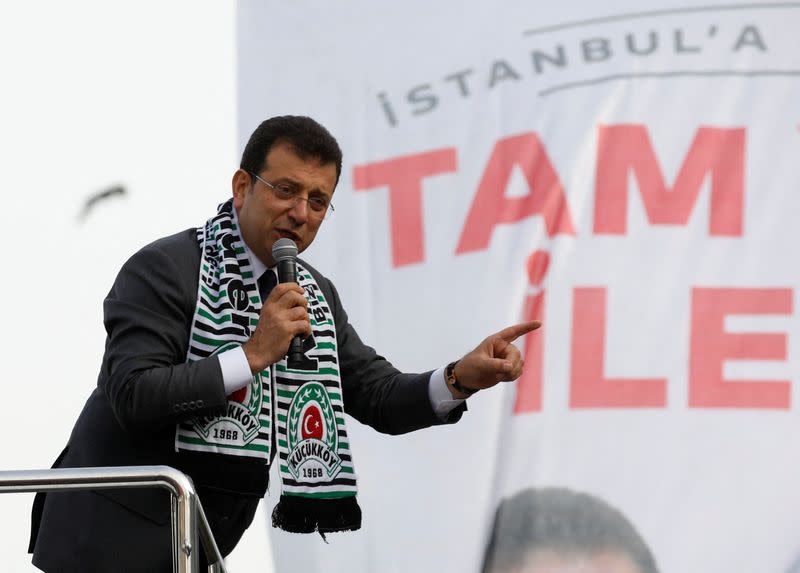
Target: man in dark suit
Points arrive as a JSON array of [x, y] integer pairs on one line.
[[147, 387]]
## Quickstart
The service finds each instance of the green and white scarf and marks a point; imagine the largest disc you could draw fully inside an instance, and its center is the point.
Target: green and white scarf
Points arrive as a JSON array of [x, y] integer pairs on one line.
[[301, 404]]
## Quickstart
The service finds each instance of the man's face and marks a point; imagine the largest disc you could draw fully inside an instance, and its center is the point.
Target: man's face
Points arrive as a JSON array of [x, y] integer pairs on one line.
[[601, 562], [264, 218]]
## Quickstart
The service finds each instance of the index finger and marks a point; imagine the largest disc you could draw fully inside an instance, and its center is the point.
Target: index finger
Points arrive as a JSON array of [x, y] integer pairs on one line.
[[511, 333]]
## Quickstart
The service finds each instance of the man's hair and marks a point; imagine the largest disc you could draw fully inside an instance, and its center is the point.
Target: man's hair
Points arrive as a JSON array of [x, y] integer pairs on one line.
[[307, 137], [562, 521]]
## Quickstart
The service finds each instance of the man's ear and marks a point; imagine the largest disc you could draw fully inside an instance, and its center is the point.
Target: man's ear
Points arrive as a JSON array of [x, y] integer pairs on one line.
[[240, 185]]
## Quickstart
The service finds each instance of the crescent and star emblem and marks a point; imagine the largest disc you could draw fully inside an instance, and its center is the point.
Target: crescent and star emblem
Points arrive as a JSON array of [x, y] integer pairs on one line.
[[312, 423]]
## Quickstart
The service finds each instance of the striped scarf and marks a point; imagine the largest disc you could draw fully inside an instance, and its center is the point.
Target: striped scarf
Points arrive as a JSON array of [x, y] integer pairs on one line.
[[300, 405]]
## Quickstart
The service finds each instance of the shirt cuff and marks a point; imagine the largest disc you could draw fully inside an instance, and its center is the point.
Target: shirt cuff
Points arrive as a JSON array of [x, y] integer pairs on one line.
[[441, 399], [235, 370]]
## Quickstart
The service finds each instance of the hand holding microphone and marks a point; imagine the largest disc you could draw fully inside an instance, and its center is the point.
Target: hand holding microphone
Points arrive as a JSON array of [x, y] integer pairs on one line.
[[284, 315], [284, 253]]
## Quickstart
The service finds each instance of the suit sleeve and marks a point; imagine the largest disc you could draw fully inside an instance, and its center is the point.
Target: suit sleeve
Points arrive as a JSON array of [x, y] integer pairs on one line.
[[147, 316], [375, 392]]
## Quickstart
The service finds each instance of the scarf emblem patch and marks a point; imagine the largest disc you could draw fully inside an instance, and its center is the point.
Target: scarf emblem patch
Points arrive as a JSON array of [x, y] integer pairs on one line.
[[313, 435]]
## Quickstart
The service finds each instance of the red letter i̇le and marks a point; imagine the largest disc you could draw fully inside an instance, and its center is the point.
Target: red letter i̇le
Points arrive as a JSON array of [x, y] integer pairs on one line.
[[529, 385]]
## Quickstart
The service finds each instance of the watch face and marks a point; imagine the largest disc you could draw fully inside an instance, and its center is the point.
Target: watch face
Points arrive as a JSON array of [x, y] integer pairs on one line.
[[450, 373]]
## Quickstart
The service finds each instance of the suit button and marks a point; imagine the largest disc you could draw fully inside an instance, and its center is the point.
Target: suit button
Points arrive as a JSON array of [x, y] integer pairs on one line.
[[176, 408], [192, 405], [200, 403]]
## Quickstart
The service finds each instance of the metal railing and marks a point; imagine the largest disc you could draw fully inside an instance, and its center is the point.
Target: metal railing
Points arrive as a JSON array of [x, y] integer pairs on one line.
[[187, 512]]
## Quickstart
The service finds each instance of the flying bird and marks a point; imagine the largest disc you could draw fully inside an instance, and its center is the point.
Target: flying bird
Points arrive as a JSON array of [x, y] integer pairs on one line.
[[92, 200]]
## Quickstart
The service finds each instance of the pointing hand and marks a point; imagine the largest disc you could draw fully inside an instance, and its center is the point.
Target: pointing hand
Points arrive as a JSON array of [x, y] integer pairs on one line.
[[494, 360]]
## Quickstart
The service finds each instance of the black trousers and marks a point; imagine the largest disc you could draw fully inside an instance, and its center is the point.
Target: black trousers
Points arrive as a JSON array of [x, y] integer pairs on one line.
[[114, 538]]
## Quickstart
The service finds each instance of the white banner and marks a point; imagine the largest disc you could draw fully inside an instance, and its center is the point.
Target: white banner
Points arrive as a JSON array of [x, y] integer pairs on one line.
[[627, 173]]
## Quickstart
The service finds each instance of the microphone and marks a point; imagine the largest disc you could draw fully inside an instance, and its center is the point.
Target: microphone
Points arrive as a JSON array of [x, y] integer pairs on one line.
[[284, 253]]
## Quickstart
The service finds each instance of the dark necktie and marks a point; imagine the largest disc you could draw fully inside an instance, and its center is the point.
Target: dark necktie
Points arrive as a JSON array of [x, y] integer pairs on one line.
[[266, 283]]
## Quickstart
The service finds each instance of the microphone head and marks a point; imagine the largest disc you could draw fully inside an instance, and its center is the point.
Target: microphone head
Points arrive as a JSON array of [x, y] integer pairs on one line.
[[284, 249]]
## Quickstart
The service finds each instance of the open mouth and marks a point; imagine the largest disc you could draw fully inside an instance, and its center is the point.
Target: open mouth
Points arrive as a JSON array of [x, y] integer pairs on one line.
[[285, 234]]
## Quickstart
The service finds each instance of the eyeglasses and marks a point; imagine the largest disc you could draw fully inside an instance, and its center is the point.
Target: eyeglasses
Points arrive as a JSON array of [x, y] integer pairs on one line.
[[319, 207]]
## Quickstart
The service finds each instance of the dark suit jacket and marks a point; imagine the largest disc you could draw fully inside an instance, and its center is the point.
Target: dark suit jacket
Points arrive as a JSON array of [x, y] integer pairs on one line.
[[145, 387]]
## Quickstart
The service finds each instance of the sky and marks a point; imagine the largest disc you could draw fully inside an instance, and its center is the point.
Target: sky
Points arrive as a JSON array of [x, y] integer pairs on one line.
[[95, 95]]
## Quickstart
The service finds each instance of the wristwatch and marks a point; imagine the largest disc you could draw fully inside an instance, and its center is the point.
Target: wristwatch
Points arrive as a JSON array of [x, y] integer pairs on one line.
[[452, 381]]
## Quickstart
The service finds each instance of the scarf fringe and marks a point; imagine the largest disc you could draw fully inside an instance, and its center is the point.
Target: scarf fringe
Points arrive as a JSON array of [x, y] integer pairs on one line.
[[297, 514]]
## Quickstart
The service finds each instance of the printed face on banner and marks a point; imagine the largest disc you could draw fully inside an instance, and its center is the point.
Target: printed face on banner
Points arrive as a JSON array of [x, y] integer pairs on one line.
[[559, 530], [602, 562], [264, 218]]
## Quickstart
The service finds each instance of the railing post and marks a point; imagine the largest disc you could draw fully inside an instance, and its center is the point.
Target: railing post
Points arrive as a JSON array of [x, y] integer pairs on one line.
[[186, 510]]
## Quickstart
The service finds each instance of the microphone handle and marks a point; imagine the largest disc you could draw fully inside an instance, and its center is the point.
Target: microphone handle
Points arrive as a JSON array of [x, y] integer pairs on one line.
[[287, 273]]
